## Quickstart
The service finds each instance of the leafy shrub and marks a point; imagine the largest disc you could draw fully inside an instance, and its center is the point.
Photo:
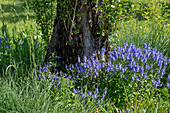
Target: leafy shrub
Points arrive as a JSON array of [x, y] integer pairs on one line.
[[45, 11], [21, 52]]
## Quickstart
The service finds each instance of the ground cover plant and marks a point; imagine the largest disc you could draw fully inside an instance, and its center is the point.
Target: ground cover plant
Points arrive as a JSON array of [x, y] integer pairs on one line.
[[129, 74], [133, 77]]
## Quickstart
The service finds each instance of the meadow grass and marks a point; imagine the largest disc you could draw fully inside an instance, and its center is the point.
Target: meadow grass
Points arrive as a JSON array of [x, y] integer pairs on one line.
[[20, 91], [16, 13], [140, 32], [143, 1]]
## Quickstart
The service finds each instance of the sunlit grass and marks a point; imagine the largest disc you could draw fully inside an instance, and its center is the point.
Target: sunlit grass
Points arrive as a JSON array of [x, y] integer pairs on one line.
[[140, 32], [16, 13], [143, 1]]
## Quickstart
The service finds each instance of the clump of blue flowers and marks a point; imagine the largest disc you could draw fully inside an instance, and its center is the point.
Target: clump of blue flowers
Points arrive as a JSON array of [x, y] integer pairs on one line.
[[128, 68], [4, 45], [127, 71], [168, 81]]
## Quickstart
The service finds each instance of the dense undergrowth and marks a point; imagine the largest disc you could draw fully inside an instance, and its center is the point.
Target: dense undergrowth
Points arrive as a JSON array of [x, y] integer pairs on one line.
[[136, 78]]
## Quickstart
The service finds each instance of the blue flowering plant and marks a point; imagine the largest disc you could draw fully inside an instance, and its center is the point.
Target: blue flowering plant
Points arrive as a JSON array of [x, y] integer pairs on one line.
[[48, 80], [125, 74], [4, 47], [129, 71]]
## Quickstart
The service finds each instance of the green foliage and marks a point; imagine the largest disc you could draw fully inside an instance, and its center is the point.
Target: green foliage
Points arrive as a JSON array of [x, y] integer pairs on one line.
[[23, 49], [153, 27], [45, 11]]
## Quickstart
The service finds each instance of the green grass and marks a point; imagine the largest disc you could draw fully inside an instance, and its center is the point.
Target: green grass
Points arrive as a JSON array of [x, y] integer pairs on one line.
[[16, 13], [20, 92], [28, 97], [143, 1], [140, 32]]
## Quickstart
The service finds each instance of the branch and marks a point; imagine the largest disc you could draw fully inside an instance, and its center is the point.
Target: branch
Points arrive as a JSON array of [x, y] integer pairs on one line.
[[72, 21]]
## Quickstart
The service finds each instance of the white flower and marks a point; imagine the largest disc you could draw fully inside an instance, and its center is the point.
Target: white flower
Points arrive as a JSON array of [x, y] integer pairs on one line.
[[112, 6]]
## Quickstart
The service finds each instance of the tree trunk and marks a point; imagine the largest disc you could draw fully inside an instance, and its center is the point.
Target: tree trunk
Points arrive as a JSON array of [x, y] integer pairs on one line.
[[69, 46]]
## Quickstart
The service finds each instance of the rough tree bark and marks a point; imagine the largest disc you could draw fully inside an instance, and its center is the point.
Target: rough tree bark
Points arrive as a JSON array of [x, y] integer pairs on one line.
[[84, 43]]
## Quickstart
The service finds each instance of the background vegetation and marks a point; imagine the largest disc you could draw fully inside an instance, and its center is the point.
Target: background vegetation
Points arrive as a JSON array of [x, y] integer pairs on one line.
[[24, 37]]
